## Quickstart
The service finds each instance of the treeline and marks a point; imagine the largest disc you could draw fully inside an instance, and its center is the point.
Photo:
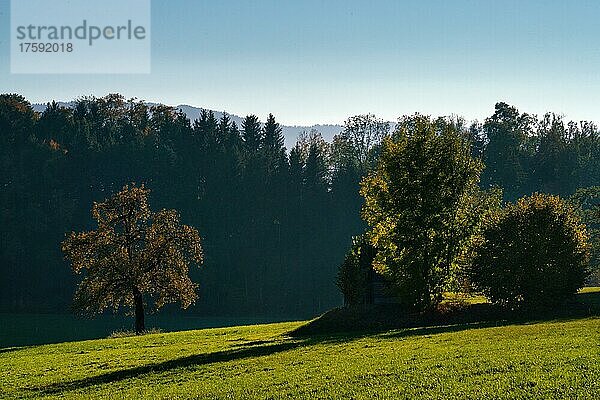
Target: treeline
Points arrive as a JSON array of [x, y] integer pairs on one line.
[[524, 153], [275, 223], [432, 230]]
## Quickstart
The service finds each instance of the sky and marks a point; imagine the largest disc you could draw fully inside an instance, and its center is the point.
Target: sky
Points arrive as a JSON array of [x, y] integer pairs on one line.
[[321, 61]]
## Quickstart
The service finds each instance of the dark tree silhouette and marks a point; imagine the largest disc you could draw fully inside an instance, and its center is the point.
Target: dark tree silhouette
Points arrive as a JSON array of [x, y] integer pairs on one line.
[[252, 133]]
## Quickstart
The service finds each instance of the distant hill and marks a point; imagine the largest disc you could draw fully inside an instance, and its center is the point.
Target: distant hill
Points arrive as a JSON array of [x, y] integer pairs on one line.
[[290, 132]]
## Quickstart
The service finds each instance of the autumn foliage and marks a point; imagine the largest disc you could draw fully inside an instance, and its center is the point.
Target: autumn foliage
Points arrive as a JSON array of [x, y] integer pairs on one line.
[[135, 255]]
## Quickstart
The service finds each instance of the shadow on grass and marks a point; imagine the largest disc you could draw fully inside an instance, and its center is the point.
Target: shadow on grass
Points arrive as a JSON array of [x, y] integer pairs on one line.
[[375, 319], [433, 330], [586, 305], [346, 324], [165, 366], [238, 352]]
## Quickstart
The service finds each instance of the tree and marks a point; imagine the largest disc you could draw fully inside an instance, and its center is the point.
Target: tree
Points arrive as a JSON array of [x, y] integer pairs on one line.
[[478, 139], [587, 203], [507, 132], [316, 151], [21, 163], [206, 131], [273, 149], [413, 202], [296, 172], [553, 164], [17, 119], [532, 253], [273, 137], [475, 206], [56, 126], [133, 255], [353, 153], [252, 134], [355, 275], [363, 134]]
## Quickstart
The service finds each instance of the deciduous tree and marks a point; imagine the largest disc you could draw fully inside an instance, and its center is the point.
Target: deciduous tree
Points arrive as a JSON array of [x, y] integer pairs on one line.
[[133, 256], [532, 253], [413, 204]]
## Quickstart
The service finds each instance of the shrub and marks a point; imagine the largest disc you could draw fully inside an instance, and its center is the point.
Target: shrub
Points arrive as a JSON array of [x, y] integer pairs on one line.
[[532, 253], [356, 272]]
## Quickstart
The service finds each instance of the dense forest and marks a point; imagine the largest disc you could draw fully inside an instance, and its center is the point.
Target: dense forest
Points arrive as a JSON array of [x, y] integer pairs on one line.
[[275, 222]]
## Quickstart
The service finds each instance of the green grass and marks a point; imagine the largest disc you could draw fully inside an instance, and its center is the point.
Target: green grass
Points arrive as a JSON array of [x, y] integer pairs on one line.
[[29, 329], [543, 359], [590, 290]]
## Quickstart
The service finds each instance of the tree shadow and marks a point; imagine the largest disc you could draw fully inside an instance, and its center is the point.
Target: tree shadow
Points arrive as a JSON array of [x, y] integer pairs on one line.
[[330, 328], [377, 319], [433, 330], [238, 352], [587, 305]]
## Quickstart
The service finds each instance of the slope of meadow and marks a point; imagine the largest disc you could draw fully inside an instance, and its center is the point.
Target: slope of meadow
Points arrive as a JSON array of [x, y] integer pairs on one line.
[[544, 359]]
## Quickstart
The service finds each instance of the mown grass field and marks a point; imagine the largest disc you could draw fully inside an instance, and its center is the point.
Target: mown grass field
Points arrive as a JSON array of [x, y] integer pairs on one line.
[[29, 329], [536, 359]]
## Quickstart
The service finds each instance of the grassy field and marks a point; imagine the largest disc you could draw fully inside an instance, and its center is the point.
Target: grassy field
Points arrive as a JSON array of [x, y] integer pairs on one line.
[[30, 329], [535, 359]]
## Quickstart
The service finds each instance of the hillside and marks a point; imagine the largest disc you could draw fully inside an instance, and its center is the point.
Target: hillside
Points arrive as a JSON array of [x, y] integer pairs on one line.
[[545, 359]]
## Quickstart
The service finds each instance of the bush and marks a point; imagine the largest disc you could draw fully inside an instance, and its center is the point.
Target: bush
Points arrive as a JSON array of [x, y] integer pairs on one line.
[[532, 253], [355, 275]]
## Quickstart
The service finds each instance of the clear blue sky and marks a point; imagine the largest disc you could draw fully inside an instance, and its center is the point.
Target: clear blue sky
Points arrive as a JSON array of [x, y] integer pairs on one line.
[[320, 61]]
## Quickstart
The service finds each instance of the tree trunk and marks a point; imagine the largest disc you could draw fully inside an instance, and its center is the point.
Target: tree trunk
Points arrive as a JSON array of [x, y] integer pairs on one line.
[[140, 326]]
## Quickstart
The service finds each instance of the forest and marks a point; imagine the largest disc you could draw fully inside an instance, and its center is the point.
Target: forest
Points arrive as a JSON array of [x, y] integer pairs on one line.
[[275, 222]]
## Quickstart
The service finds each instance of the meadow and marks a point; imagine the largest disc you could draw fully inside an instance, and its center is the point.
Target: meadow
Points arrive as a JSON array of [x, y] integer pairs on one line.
[[33, 329], [548, 358]]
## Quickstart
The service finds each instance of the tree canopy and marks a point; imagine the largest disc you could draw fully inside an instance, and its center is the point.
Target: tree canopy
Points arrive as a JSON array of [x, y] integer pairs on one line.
[[133, 255], [413, 202], [534, 252], [275, 223]]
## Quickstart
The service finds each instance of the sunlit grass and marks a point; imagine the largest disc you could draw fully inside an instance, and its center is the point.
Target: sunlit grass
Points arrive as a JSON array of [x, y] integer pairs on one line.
[[555, 359], [464, 298]]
